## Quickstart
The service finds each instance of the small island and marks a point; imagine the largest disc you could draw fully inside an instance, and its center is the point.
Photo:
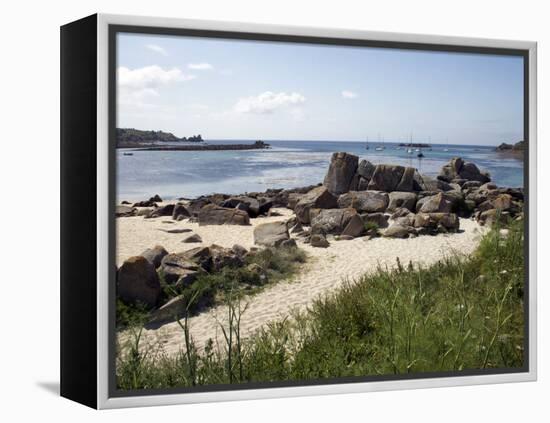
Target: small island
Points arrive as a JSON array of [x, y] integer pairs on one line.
[[414, 144], [511, 148]]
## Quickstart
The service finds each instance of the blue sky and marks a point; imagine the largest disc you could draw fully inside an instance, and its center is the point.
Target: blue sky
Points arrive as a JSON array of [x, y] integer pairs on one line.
[[228, 89]]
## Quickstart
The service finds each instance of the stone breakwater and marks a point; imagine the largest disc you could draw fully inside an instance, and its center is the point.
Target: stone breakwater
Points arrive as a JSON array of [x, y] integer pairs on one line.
[[258, 145]]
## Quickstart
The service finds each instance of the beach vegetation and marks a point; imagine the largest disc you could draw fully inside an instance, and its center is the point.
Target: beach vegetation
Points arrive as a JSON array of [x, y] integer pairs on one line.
[[460, 313]]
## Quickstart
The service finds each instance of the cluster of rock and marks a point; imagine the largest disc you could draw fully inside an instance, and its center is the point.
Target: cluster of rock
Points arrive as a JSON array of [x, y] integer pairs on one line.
[[138, 278], [215, 209], [356, 196]]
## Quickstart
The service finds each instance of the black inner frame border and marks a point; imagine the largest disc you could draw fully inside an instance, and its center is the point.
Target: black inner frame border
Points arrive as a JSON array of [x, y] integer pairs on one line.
[[113, 30]]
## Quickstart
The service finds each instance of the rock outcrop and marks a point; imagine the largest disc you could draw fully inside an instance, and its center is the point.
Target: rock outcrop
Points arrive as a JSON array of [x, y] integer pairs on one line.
[[211, 214], [459, 169], [331, 221], [155, 255], [138, 282], [364, 201], [271, 234], [317, 198], [341, 172]]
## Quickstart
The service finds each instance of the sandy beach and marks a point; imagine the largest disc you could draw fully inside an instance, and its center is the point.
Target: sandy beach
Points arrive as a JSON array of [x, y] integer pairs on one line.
[[324, 272]]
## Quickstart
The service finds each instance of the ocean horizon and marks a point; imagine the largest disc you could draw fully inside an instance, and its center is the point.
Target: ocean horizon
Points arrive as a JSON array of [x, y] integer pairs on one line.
[[287, 164]]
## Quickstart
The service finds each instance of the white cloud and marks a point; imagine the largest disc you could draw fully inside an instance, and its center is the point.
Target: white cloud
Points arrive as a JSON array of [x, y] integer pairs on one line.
[[157, 49], [200, 66], [268, 102], [349, 94], [136, 87], [150, 76]]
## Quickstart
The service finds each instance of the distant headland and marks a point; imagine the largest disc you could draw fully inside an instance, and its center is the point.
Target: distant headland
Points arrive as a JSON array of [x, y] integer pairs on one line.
[[166, 141], [132, 136]]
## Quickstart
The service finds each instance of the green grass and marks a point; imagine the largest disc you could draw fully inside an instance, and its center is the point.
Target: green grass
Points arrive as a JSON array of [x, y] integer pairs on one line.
[[460, 313]]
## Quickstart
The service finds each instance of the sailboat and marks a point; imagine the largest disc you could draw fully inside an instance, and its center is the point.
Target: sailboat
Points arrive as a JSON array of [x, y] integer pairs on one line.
[[410, 150], [380, 148], [446, 143]]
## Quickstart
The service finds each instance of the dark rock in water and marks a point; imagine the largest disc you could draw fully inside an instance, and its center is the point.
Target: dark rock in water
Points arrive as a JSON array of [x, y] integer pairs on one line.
[[397, 231], [215, 215], [407, 180], [125, 211], [458, 169], [471, 172], [179, 269], [138, 282], [166, 210], [319, 197], [398, 199], [355, 227], [180, 212], [155, 255], [434, 221], [380, 219], [124, 202], [340, 173], [331, 221], [319, 241], [155, 199], [192, 238], [386, 177], [364, 201], [271, 234]]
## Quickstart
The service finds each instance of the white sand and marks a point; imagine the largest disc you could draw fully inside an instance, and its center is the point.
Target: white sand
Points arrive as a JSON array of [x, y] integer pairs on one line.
[[325, 271]]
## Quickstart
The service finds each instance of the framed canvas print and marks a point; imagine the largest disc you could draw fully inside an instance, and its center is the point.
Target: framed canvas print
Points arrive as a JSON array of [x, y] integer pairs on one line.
[[253, 211]]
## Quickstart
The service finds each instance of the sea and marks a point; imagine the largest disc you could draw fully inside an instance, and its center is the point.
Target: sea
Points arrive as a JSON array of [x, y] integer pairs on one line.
[[287, 164]]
